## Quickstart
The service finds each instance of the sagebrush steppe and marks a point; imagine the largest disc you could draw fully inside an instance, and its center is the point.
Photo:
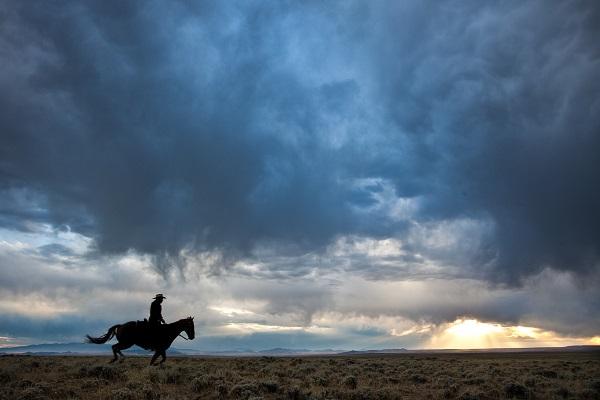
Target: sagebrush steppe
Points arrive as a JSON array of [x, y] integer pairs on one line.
[[423, 376]]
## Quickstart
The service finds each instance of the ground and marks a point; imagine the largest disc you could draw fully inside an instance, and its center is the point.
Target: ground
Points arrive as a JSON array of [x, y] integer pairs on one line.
[[424, 376]]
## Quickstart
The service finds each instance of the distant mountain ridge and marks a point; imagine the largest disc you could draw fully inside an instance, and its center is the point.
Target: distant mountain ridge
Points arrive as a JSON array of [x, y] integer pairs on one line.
[[491, 350], [105, 349], [71, 348]]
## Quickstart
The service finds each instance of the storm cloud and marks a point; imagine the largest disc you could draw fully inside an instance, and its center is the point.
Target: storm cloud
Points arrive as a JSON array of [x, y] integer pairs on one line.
[[273, 131]]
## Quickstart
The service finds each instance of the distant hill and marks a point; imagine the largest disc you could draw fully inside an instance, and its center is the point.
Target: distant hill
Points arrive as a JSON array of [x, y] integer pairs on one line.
[[383, 351], [72, 348], [493, 350], [105, 349]]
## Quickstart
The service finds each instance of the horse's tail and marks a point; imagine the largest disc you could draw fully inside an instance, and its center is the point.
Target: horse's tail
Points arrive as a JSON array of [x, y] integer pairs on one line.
[[104, 338]]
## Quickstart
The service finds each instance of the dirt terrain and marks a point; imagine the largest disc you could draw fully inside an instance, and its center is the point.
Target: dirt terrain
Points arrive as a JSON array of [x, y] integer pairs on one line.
[[431, 376]]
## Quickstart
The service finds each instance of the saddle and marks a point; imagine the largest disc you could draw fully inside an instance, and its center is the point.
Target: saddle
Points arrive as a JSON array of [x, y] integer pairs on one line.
[[149, 334]]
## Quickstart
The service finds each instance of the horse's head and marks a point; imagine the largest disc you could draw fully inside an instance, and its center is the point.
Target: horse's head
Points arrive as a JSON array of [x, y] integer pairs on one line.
[[188, 327]]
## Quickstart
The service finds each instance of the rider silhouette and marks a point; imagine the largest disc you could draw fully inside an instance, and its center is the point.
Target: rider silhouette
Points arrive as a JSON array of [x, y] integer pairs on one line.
[[156, 318]]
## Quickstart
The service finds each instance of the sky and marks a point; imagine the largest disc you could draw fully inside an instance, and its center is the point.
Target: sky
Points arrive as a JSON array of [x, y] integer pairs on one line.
[[309, 175]]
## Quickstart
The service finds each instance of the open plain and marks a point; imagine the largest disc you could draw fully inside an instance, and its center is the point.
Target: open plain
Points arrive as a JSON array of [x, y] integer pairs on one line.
[[404, 376]]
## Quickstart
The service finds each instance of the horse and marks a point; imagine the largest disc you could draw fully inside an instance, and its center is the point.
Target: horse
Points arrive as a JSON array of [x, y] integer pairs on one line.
[[140, 333]]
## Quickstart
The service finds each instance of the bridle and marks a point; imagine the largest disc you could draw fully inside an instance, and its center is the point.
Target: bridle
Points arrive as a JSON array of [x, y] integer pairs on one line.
[[183, 337]]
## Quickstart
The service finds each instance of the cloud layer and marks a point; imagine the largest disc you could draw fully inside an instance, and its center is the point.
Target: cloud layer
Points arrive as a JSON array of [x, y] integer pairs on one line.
[[61, 298], [342, 145]]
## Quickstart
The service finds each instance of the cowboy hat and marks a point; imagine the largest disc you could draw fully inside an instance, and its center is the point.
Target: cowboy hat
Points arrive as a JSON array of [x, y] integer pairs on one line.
[[159, 296]]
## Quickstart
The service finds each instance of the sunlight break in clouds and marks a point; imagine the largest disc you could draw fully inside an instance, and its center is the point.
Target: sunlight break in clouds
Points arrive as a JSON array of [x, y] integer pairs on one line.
[[473, 334]]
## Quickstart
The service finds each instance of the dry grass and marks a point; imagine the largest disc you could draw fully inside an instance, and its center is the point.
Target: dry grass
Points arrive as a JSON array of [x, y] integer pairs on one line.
[[449, 376]]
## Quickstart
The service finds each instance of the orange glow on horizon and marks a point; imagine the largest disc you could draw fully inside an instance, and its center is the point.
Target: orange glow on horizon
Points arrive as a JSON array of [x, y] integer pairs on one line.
[[473, 334]]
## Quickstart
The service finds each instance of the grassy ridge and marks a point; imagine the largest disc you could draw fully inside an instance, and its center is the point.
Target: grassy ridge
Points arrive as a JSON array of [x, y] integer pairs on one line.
[[433, 376]]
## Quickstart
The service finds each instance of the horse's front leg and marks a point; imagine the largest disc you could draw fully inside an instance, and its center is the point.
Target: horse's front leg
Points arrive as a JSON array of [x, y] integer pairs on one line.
[[154, 357], [164, 357]]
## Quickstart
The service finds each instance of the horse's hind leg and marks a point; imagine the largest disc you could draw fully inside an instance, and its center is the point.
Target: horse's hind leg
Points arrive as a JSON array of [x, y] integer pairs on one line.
[[117, 350], [154, 357], [164, 357], [123, 346]]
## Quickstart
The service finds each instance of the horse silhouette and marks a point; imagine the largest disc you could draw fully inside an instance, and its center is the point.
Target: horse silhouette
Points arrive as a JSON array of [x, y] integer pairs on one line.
[[156, 338]]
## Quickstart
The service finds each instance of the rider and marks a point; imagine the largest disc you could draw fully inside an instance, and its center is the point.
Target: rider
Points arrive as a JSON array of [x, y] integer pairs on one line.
[[156, 318]]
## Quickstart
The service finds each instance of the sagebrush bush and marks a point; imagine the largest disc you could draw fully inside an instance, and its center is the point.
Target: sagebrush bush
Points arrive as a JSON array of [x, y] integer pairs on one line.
[[166, 375], [149, 392], [6, 376], [419, 379], [107, 372], [320, 380], [516, 391], [123, 394], [269, 386], [205, 382], [350, 381], [221, 390], [563, 392], [200, 383], [33, 393], [469, 396], [244, 390], [295, 393]]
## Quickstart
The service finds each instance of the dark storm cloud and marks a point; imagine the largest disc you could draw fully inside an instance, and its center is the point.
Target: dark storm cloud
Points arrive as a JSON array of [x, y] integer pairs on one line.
[[112, 119], [501, 102], [158, 127]]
